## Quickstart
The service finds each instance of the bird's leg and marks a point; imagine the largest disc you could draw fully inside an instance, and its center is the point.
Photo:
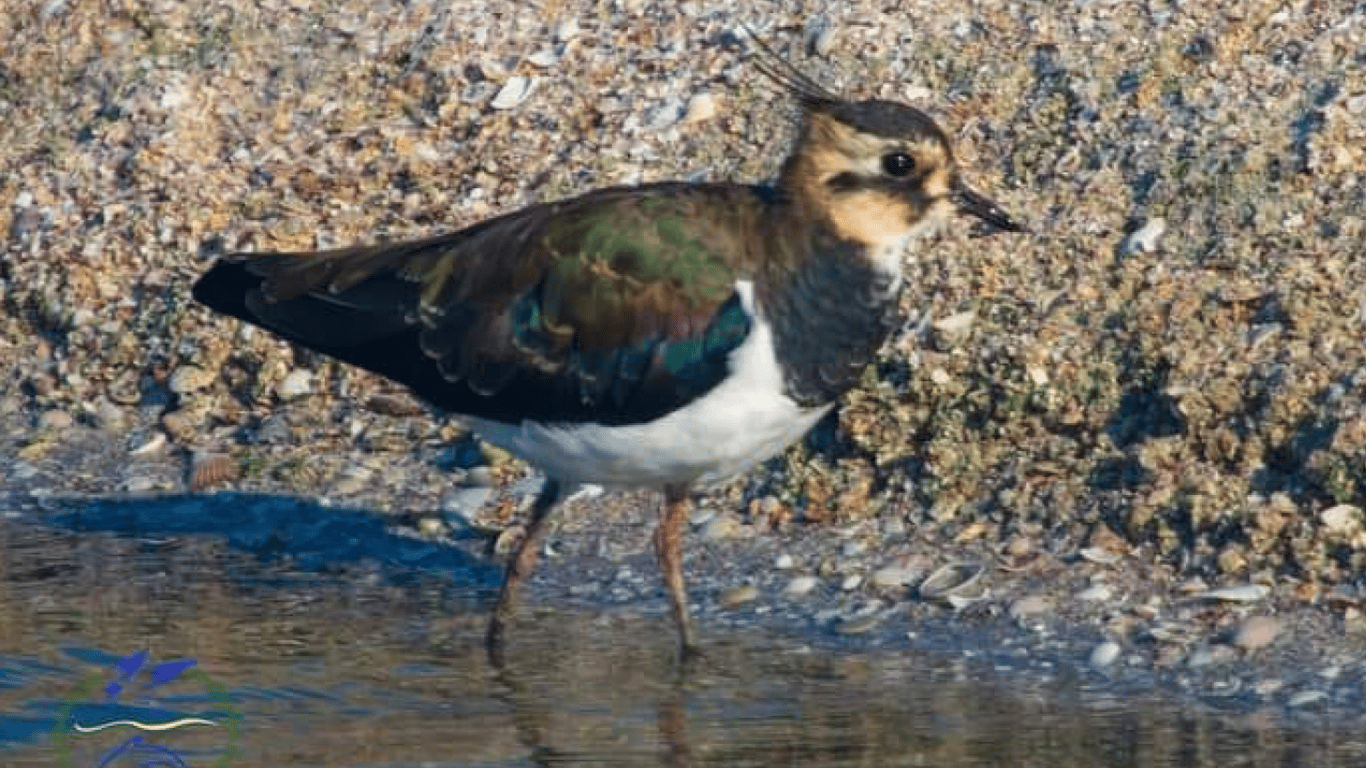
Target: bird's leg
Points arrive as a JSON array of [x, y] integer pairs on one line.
[[669, 551], [519, 568]]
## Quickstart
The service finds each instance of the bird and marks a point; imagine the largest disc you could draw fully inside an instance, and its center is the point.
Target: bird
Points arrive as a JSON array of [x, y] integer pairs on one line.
[[662, 336]]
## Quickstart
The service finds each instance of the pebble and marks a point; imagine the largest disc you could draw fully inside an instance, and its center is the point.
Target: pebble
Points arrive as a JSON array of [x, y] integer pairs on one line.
[[481, 477], [800, 585], [1099, 556], [1210, 654], [295, 384], [736, 596], [189, 378], [700, 516], [1305, 698], [851, 582], [1095, 593], [954, 579], [1246, 593], [466, 503], [953, 330], [138, 484], [899, 574], [274, 429], [544, 58], [1029, 606], [431, 526], [858, 624], [784, 562], [55, 419], [349, 485], [1144, 239], [1341, 519], [721, 527], [1104, 654], [1257, 632], [701, 108], [106, 416], [567, 30], [514, 92]]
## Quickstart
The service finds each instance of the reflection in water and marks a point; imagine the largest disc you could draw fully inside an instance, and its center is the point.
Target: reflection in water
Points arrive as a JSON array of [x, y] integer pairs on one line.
[[369, 660]]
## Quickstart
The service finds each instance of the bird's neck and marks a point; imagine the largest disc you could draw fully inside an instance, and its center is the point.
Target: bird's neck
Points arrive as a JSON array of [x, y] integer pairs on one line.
[[829, 305]]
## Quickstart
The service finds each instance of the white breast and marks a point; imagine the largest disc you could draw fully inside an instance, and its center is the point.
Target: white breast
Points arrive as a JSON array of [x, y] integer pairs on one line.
[[742, 421]]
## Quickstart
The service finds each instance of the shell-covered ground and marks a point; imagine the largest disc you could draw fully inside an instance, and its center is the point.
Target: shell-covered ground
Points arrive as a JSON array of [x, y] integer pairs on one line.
[[1172, 364]]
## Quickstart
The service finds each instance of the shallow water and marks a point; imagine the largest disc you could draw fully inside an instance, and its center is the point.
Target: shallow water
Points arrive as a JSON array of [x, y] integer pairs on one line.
[[348, 645]]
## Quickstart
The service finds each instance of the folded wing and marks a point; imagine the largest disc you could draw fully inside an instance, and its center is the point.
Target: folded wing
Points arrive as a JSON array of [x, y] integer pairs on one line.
[[614, 307]]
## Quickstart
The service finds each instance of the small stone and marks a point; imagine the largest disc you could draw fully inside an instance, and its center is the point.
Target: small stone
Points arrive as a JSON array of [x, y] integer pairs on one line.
[[701, 516], [139, 484], [567, 30], [189, 378], [1210, 655], [1144, 239], [1247, 593], [853, 548], [55, 420], [1104, 654], [1029, 606], [736, 596], [296, 383], [107, 416], [431, 526], [514, 92], [701, 108], [466, 502], [858, 624], [1341, 519], [1305, 698], [800, 585], [544, 58], [349, 485], [950, 332], [481, 477], [851, 582], [1256, 633], [784, 562], [1267, 686], [721, 527], [897, 574], [1096, 593]]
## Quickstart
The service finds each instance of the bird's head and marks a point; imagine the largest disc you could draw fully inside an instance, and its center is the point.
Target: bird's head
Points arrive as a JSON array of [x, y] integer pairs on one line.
[[879, 171]]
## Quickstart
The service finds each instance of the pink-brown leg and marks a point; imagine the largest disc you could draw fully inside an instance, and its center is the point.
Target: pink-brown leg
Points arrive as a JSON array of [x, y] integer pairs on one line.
[[519, 569], [669, 551]]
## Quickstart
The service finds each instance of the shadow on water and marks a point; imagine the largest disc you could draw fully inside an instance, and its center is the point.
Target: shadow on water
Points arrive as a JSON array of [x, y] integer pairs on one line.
[[339, 643]]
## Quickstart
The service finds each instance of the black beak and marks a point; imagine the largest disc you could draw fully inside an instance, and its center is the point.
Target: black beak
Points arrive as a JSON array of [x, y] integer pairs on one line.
[[984, 209]]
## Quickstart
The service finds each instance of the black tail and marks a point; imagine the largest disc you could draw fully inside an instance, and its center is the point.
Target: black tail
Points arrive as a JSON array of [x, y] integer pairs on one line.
[[224, 289]]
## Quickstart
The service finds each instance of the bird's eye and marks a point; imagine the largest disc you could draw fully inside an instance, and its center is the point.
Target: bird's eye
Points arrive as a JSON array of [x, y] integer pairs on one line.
[[898, 164]]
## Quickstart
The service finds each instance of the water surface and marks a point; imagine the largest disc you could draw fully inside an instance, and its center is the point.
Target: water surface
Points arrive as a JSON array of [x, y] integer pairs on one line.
[[360, 647]]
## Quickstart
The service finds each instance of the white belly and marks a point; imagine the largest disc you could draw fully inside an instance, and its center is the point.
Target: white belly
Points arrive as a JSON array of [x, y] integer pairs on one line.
[[742, 421]]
